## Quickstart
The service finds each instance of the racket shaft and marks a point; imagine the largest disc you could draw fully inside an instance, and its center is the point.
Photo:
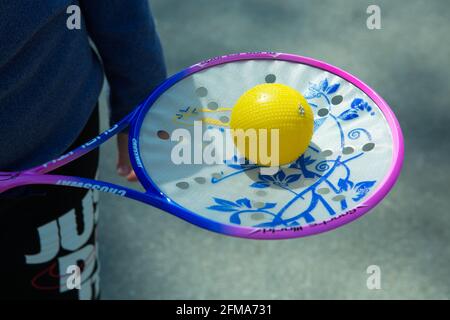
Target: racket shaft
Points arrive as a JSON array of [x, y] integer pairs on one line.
[[85, 148], [78, 182]]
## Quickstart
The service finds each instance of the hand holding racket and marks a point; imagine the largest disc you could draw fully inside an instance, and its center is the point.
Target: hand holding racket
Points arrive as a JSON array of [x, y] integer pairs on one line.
[[352, 162]]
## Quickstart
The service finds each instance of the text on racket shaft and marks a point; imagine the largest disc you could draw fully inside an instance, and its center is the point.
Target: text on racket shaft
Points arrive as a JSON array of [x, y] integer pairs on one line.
[[92, 186]]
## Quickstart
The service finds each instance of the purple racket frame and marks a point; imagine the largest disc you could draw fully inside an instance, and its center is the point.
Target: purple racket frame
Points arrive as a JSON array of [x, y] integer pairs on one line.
[[155, 197]]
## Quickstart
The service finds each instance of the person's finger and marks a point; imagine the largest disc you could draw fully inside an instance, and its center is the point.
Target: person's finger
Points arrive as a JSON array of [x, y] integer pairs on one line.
[[132, 176], [123, 161]]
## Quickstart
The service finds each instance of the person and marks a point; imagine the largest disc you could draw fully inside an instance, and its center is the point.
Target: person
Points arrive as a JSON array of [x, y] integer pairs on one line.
[[50, 80]]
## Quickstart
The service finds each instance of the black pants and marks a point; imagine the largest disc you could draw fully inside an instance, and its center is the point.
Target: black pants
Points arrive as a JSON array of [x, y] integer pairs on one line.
[[48, 234]]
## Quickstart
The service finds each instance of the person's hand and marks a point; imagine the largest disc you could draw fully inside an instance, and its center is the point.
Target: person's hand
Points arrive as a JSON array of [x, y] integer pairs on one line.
[[124, 168]]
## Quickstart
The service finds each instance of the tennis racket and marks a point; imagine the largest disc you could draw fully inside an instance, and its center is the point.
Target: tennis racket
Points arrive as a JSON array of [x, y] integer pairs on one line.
[[353, 160]]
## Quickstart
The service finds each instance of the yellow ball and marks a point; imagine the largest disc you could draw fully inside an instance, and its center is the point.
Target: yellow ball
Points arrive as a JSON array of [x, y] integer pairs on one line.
[[272, 106]]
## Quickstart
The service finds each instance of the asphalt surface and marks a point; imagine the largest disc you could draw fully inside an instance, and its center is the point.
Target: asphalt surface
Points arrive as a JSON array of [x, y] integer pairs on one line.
[[146, 253]]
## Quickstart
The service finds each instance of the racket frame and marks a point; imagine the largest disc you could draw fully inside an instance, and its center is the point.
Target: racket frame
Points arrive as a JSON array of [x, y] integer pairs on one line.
[[155, 197]]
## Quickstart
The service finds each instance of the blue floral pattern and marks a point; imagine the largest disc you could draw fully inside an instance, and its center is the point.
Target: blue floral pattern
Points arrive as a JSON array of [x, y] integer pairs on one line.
[[240, 207], [279, 179], [357, 106], [322, 89]]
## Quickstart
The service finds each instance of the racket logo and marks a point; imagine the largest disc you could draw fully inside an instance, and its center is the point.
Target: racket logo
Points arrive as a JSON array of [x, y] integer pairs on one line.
[[103, 136], [237, 56], [65, 156], [135, 147], [92, 186]]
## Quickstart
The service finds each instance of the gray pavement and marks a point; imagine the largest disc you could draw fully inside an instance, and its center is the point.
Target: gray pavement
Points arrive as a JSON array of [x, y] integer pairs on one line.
[[146, 253]]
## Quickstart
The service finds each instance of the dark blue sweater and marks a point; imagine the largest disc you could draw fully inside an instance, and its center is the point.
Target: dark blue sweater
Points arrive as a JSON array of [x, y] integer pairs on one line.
[[50, 78]]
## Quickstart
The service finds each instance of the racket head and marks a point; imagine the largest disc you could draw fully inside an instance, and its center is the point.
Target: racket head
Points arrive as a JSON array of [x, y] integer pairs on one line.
[[299, 201]]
